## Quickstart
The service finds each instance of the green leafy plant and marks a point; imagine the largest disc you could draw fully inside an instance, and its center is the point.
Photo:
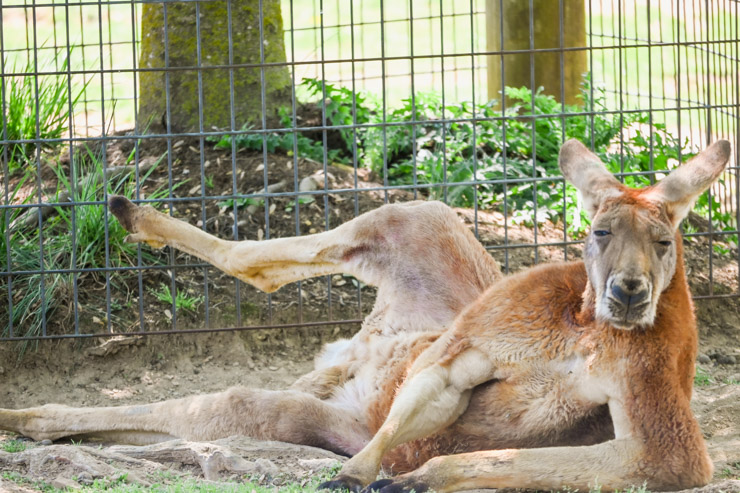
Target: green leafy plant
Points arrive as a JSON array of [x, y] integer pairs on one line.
[[37, 107], [242, 202], [470, 154], [182, 300], [300, 200], [277, 141], [341, 106]]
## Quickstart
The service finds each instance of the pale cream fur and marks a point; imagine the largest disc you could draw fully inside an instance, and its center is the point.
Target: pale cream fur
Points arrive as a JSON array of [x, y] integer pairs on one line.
[[542, 379]]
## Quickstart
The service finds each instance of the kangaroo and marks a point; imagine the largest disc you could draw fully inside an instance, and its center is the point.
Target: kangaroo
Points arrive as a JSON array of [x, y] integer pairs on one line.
[[570, 374]]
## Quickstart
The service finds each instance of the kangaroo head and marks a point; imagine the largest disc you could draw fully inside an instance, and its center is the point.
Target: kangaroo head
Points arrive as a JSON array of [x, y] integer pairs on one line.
[[631, 252]]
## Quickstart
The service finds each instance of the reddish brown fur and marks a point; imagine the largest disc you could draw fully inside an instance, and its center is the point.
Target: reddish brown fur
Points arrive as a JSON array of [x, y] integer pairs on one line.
[[399, 370]]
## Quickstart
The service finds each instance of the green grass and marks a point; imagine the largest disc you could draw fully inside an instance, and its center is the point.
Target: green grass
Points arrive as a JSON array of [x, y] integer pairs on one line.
[[75, 237], [730, 471], [22, 481], [645, 70], [36, 108], [167, 482], [182, 300], [89, 223], [31, 292], [702, 377], [170, 482], [86, 31], [430, 37], [13, 446]]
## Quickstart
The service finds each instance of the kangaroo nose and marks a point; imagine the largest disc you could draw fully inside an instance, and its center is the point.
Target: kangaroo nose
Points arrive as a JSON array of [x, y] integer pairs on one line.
[[631, 285], [628, 292]]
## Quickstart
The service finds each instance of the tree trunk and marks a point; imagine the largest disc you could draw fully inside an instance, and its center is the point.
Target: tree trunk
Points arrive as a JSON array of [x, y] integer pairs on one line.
[[517, 68], [181, 51]]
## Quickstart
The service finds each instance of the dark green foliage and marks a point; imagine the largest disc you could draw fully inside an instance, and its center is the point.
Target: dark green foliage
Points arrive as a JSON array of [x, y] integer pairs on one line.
[[341, 105], [279, 141], [444, 150]]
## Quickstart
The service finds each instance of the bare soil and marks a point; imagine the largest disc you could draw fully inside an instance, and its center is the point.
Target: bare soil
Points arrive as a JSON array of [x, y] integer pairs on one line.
[[137, 370]]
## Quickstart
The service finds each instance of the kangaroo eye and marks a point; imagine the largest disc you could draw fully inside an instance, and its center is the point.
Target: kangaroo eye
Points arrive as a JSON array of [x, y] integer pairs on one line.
[[665, 243], [602, 233]]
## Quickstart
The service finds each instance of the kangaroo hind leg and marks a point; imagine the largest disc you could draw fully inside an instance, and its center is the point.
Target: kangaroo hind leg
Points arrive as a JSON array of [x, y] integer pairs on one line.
[[287, 416], [418, 254]]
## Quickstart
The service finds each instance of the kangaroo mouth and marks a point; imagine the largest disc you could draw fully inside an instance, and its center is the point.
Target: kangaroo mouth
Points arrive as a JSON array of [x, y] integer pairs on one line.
[[628, 316]]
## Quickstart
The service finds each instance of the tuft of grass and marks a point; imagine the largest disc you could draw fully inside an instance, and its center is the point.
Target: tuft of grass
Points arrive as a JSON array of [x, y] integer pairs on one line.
[[89, 224], [74, 238], [181, 300], [32, 293], [702, 377], [16, 478], [31, 99], [731, 471], [13, 446]]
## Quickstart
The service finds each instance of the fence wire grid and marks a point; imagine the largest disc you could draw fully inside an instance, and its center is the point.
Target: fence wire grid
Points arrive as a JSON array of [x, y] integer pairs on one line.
[[256, 119]]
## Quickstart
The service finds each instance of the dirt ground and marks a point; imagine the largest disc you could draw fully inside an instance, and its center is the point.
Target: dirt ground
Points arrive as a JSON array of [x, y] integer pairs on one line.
[[138, 370]]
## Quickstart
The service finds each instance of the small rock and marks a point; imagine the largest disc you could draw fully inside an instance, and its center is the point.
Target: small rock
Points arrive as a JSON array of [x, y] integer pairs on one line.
[[266, 466], [2, 370], [726, 359], [308, 184], [85, 478], [63, 483], [46, 442], [273, 368], [703, 359]]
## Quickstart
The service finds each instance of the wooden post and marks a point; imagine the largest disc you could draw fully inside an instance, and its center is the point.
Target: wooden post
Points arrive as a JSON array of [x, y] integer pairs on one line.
[[516, 36]]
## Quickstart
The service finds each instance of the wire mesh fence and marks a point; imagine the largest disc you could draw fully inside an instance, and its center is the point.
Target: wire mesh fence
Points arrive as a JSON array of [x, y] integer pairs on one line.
[[256, 119]]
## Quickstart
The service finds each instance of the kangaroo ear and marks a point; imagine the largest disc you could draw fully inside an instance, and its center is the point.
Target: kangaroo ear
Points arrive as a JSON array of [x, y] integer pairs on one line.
[[680, 189], [588, 174]]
